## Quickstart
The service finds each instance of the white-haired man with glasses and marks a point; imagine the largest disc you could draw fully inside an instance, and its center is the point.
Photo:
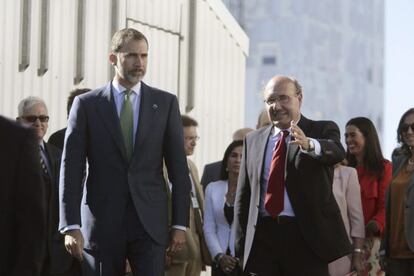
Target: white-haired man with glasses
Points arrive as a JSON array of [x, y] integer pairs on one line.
[[33, 113]]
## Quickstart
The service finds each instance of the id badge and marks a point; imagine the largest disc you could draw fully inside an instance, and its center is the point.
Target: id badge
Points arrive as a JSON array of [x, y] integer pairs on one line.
[[195, 202]]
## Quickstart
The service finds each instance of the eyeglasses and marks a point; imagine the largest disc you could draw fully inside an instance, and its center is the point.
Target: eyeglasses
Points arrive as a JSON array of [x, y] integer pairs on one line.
[[281, 99], [404, 127], [33, 118], [192, 138]]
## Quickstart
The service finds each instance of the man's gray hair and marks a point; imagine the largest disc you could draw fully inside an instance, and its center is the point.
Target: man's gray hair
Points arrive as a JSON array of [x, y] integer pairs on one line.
[[121, 37], [28, 103]]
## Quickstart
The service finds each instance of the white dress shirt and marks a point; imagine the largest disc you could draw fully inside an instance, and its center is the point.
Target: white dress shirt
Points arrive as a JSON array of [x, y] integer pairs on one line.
[[275, 136]]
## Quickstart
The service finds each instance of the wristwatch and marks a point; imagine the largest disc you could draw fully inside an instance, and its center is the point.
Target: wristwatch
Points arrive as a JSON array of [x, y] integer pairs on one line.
[[358, 250]]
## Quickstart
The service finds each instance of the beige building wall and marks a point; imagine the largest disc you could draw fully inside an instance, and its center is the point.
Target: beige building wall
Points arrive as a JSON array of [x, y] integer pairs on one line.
[[196, 51]]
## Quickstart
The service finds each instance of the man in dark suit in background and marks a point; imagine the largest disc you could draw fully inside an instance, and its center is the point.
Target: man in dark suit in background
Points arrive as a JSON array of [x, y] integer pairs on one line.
[[22, 202], [211, 171], [58, 137], [33, 112], [125, 130], [287, 221]]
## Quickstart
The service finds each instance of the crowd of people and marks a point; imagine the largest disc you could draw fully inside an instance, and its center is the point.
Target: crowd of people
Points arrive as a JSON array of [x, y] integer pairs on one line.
[[115, 192]]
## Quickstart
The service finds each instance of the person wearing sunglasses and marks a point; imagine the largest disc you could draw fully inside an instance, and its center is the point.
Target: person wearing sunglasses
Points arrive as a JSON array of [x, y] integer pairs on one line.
[[33, 113], [398, 241]]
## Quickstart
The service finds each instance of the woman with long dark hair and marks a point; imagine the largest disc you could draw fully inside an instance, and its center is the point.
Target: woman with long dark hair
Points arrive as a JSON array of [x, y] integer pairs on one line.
[[218, 212], [399, 232], [374, 175]]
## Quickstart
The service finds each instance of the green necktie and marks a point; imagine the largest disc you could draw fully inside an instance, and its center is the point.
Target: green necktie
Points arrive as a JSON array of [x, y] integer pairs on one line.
[[127, 123]]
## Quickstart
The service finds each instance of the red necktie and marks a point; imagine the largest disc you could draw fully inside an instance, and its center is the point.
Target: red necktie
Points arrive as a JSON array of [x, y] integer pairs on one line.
[[276, 183]]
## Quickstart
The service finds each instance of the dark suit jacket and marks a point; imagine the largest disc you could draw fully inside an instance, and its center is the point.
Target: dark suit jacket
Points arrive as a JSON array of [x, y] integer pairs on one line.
[[58, 138], [211, 173], [94, 132], [308, 182], [22, 198], [59, 260]]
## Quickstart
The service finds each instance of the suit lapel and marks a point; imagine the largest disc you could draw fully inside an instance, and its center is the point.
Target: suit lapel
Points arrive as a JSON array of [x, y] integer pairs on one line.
[[398, 164], [147, 108], [51, 160], [261, 148], [291, 153], [107, 110]]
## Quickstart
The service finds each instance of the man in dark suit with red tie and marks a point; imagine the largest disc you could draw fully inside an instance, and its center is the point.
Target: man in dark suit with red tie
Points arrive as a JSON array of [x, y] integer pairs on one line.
[[286, 218], [22, 208]]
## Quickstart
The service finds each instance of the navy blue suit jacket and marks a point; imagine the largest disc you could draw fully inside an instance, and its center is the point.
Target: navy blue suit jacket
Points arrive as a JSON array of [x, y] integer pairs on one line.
[[94, 134]]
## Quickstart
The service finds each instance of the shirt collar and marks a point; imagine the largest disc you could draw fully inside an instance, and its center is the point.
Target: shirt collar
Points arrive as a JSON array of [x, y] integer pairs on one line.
[[277, 131], [120, 89]]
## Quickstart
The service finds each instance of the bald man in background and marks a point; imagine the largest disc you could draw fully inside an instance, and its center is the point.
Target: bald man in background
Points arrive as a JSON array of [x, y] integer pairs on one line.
[[263, 119]]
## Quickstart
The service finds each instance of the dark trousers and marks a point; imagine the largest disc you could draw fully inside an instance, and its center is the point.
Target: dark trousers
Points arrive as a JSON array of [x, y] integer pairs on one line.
[[145, 256], [400, 267], [216, 271], [280, 250], [74, 270]]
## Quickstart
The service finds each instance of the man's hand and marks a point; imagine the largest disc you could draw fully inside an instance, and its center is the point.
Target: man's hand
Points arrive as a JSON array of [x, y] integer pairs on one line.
[[167, 260], [177, 240], [299, 137], [74, 243], [358, 263]]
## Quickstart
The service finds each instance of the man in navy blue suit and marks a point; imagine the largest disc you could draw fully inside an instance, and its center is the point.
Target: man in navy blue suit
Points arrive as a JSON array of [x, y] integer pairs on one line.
[[124, 130]]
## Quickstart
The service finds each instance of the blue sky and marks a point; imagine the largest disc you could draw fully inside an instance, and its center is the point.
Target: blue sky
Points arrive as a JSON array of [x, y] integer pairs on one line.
[[399, 67]]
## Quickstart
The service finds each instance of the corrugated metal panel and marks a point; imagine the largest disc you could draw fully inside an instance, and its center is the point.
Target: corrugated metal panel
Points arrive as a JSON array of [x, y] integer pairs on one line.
[[219, 82], [220, 54], [56, 83]]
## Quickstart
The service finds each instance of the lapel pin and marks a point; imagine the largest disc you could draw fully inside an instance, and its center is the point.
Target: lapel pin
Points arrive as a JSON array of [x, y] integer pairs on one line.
[[155, 106]]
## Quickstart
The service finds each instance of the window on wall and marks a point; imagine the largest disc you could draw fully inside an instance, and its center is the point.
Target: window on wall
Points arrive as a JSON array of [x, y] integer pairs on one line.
[[369, 75], [269, 60], [269, 52]]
